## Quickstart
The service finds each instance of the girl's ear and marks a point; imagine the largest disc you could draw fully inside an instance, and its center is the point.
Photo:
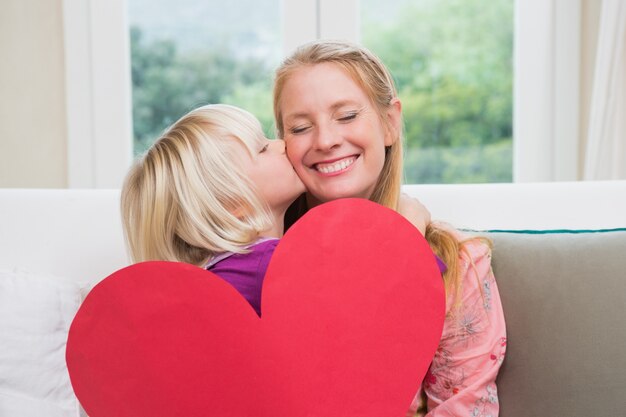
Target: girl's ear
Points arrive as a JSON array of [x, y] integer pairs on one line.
[[394, 122]]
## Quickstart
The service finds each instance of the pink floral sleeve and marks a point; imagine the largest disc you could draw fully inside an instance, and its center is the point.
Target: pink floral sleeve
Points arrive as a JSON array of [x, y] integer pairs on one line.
[[461, 378]]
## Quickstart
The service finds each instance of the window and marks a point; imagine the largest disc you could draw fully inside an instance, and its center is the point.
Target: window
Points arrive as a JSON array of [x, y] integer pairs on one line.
[[187, 53], [452, 62], [453, 70], [470, 142]]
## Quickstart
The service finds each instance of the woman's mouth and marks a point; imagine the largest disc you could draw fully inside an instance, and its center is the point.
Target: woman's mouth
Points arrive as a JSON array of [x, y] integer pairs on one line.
[[336, 166]]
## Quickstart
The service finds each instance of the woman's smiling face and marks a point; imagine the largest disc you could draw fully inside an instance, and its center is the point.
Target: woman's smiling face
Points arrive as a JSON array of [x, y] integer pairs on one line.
[[334, 136]]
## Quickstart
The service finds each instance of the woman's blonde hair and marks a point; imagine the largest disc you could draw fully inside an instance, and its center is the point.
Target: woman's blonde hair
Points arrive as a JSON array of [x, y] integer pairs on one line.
[[373, 77], [187, 198]]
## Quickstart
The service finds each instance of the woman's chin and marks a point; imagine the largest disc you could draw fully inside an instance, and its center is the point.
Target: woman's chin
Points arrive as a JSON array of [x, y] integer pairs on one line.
[[335, 194]]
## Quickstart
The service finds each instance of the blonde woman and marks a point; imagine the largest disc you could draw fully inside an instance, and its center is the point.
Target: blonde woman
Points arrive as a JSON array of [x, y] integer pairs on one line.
[[337, 109], [211, 191]]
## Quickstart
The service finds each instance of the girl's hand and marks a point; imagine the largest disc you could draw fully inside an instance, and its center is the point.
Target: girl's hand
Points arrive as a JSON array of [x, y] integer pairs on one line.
[[414, 211]]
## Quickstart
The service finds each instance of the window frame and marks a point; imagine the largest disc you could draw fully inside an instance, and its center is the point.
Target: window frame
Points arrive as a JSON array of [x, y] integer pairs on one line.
[[98, 93]]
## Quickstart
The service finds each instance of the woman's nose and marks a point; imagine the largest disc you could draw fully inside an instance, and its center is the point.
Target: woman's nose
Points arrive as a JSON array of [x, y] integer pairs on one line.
[[326, 138]]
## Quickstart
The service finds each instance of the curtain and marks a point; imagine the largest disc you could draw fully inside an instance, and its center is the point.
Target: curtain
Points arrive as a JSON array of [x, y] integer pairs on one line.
[[605, 154], [546, 95]]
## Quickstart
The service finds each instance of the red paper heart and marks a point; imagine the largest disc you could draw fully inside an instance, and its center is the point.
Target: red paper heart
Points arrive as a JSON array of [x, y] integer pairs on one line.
[[352, 312]]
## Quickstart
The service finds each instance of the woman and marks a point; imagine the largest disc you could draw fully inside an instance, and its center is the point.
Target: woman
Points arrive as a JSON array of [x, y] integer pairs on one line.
[[337, 109]]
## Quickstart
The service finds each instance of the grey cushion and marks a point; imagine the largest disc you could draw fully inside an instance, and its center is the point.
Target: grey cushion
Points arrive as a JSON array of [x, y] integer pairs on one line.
[[564, 300]]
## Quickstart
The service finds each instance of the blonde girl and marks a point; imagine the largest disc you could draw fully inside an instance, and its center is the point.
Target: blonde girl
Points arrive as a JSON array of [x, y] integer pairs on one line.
[[337, 109], [211, 191]]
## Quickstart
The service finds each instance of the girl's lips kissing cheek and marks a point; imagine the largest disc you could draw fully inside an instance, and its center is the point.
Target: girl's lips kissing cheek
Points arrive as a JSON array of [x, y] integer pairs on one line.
[[335, 167]]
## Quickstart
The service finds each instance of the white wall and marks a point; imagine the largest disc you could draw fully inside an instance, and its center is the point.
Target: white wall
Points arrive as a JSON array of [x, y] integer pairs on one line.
[[32, 95]]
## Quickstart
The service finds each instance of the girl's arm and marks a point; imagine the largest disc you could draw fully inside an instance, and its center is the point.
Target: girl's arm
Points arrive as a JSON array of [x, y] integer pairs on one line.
[[414, 211], [461, 379]]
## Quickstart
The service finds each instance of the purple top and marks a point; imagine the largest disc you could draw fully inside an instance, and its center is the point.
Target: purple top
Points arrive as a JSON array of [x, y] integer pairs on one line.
[[442, 266], [245, 271]]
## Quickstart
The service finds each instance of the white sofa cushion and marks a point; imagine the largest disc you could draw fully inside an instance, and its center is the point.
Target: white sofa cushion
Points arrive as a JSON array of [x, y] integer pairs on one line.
[[35, 314]]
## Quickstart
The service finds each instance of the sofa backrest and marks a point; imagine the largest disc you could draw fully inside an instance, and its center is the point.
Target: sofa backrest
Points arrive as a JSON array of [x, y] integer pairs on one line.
[[521, 206], [73, 234], [77, 234]]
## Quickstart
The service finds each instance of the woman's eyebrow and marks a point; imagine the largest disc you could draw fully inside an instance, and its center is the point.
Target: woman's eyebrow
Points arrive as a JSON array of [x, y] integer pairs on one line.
[[298, 115], [343, 103]]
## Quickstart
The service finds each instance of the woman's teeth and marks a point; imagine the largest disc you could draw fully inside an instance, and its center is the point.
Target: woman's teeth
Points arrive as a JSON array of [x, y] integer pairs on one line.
[[336, 166]]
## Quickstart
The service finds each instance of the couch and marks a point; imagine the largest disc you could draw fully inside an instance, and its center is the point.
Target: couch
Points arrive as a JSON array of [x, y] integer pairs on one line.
[[559, 258]]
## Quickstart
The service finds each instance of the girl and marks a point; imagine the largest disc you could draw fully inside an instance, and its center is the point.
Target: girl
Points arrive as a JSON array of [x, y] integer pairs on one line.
[[212, 191], [336, 107]]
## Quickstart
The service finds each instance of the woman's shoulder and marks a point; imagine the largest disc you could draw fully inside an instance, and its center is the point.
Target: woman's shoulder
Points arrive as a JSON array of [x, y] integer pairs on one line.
[[476, 283], [472, 244], [475, 247]]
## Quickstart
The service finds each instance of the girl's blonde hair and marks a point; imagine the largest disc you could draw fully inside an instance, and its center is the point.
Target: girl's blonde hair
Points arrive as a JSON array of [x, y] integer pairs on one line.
[[187, 198], [372, 76]]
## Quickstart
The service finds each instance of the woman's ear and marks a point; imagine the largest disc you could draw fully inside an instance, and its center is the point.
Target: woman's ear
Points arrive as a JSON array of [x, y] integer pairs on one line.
[[394, 121]]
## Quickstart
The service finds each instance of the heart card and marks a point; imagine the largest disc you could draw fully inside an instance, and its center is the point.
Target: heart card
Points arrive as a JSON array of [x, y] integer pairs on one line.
[[352, 312]]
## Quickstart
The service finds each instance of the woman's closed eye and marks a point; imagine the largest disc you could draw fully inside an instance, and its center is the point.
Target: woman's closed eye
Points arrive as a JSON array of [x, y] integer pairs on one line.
[[264, 148], [299, 129], [346, 117]]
